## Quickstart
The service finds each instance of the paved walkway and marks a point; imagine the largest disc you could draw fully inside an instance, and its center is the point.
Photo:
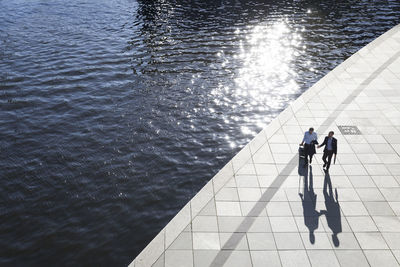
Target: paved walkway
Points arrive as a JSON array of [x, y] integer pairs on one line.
[[262, 209]]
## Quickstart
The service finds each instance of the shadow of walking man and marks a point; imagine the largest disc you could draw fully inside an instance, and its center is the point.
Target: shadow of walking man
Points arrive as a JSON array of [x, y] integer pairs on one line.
[[309, 202], [332, 212]]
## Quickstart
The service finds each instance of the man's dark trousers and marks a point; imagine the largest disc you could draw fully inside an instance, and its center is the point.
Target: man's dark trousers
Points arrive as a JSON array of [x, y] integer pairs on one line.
[[327, 154], [308, 153]]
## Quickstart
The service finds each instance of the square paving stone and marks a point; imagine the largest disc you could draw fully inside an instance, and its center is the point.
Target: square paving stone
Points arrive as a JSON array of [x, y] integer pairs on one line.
[[233, 241], [379, 258], [206, 258], [249, 194], [296, 207], [266, 169], [389, 158], [340, 181], [353, 208], [280, 148], [376, 169], [397, 148], [371, 241], [392, 138], [369, 158], [283, 224], [247, 181], [347, 194], [362, 181], [283, 158], [396, 253], [159, 263], [354, 169], [391, 194], [294, 258], [264, 258], [385, 181], [227, 194], [278, 139], [286, 241], [228, 208], [263, 155], [387, 223], [362, 224], [382, 148], [395, 207], [236, 259], [351, 258], [370, 194], [247, 169], [205, 224], [323, 258], [261, 241], [394, 169], [348, 159], [252, 208], [375, 139], [266, 180], [179, 258], [273, 194], [206, 241], [243, 224], [209, 209], [378, 208], [279, 209], [231, 183], [182, 242], [392, 239], [362, 148], [336, 170]]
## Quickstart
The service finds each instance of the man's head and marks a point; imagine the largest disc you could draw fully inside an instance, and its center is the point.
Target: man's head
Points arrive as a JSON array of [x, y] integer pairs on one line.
[[311, 130], [331, 133]]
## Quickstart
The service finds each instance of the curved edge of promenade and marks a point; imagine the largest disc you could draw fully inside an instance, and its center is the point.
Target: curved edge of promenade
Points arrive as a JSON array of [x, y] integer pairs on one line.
[[251, 213]]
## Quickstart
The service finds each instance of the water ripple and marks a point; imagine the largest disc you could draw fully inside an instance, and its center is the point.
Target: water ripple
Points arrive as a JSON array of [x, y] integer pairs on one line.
[[113, 114]]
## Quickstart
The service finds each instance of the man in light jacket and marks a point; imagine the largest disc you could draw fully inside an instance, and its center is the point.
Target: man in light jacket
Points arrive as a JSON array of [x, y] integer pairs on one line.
[[309, 141]]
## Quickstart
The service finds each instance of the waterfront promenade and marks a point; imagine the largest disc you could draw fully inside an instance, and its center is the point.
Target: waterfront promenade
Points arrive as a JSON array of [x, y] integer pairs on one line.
[[262, 209]]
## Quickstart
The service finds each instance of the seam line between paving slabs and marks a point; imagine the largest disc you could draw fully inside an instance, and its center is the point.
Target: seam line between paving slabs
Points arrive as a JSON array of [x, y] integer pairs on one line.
[[281, 177]]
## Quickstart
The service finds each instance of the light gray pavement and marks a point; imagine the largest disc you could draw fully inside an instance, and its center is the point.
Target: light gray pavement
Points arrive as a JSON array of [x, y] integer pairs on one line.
[[251, 212]]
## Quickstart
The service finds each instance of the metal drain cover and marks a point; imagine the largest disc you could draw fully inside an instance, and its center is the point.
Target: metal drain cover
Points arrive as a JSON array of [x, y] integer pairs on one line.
[[349, 130]]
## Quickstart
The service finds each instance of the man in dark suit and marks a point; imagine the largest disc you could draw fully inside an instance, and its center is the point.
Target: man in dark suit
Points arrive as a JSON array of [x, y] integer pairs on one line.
[[330, 144]]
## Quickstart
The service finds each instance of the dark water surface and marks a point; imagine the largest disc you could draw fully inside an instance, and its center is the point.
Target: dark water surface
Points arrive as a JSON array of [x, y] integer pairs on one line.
[[114, 113]]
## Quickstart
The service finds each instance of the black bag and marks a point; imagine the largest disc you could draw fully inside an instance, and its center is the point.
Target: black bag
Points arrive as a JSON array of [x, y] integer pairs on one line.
[[302, 153]]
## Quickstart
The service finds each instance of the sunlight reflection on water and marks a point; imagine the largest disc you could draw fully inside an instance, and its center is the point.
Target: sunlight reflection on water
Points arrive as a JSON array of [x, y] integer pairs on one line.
[[266, 53], [267, 59]]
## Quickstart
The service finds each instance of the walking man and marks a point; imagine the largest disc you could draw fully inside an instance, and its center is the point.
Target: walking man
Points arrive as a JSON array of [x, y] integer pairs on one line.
[[309, 141], [330, 144]]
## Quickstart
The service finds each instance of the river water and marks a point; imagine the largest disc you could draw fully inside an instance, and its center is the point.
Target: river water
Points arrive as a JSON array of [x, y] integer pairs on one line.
[[114, 113]]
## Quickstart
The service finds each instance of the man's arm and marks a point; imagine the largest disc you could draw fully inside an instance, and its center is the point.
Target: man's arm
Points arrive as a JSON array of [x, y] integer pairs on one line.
[[304, 138], [324, 143]]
